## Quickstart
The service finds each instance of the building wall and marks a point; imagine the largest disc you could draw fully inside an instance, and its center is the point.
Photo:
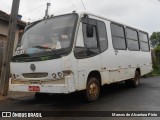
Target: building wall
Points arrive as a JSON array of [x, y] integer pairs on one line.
[[3, 37], [4, 31]]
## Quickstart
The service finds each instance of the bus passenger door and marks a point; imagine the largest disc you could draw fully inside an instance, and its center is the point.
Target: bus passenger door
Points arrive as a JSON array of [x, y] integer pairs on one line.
[[87, 50], [118, 60], [103, 43]]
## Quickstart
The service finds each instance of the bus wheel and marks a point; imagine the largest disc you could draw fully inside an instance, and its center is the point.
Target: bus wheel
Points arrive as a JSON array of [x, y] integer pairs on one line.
[[92, 89], [135, 81]]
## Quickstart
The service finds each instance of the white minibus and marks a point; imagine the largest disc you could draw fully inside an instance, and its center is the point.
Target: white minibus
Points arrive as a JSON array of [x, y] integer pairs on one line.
[[79, 51]]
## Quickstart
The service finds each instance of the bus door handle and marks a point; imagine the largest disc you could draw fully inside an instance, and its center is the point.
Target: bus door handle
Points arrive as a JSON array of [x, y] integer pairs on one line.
[[116, 52], [104, 68]]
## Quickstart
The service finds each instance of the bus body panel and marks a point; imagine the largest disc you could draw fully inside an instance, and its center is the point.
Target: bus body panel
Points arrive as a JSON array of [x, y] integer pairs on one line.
[[113, 66]]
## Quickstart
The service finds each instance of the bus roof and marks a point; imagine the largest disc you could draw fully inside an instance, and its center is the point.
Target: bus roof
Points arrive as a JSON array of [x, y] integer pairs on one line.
[[108, 19], [81, 13]]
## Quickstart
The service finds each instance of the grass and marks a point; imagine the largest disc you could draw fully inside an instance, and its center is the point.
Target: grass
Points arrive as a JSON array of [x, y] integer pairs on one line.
[[155, 72]]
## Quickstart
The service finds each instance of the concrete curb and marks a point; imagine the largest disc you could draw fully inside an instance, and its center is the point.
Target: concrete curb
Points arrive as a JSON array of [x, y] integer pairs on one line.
[[2, 97]]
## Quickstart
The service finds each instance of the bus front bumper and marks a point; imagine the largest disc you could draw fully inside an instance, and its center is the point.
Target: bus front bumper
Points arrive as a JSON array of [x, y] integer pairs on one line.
[[66, 85]]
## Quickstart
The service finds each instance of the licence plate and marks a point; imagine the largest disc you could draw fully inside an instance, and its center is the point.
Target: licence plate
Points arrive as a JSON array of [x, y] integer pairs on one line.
[[34, 88]]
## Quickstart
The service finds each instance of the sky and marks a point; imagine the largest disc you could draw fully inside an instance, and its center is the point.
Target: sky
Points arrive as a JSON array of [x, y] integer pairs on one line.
[[143, 14]]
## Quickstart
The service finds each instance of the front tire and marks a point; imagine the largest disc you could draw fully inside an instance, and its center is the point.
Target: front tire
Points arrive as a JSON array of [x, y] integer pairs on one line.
[[93, 89]]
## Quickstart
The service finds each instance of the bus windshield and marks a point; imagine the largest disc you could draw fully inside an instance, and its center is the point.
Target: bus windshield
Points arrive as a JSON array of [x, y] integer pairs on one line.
[[49, 36]]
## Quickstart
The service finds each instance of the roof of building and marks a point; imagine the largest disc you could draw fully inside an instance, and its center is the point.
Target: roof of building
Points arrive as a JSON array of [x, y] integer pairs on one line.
[[5, 17]]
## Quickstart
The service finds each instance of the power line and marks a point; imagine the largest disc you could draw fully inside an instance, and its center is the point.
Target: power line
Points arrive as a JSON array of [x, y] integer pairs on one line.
[[157, 2], [72, 4], [83, 4], [33, 9], [36, 17], [64, 9]]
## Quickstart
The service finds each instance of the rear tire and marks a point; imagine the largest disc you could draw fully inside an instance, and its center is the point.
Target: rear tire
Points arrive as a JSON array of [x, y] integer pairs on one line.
[[135, 81], [92, 89]]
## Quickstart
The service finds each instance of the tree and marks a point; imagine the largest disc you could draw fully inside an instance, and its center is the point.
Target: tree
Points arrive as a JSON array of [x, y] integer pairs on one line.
[[157, 48], [155, 39], [157, 53]]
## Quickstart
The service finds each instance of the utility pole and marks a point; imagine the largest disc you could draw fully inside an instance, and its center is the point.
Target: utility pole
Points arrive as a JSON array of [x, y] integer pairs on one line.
[[5, 74], [46, 12]]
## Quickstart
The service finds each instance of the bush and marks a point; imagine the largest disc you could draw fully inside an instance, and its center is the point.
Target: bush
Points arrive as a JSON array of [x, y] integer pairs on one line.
[[156, 60]]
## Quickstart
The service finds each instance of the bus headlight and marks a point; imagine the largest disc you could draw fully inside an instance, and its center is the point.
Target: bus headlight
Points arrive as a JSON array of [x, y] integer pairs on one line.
[[60, 74], [17, 77], [54, 75], [13, 76]]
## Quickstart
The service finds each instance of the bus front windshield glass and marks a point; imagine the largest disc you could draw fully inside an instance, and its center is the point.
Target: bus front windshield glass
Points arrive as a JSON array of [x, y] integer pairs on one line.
[[48, 36]]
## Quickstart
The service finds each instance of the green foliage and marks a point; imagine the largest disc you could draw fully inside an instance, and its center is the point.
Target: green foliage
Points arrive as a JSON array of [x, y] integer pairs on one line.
[[157, 48], [155, 39], [156, 61], [156, 71]]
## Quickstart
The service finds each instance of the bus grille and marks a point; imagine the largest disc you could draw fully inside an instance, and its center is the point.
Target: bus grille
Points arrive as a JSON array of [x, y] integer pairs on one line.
[[34, 75]]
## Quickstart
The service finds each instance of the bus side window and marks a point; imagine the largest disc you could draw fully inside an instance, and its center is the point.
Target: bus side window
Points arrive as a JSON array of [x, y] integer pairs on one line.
[[132, 39], [91, 47], [118, 37], [102, 36], [144, 42], [90, 42]]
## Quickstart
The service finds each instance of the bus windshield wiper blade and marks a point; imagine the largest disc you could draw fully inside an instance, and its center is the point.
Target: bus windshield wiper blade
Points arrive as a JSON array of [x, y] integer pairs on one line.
[[42, 47], [52, 50], [22, 55]]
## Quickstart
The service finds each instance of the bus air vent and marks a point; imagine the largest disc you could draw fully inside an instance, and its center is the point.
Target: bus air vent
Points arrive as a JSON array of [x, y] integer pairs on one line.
[[34, 75]]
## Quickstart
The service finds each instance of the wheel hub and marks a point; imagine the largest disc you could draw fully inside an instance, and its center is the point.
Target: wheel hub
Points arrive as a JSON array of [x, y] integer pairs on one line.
[[93, 90]]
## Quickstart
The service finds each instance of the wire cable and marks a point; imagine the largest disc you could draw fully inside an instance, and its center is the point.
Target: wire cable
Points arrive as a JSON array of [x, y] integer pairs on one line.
[[33, 9], [157, 2], [83, 4], [72, 4]]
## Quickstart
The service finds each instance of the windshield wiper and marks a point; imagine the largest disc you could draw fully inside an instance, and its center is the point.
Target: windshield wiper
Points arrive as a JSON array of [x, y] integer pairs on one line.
[[52, 50], [22, 55], [42, 47]]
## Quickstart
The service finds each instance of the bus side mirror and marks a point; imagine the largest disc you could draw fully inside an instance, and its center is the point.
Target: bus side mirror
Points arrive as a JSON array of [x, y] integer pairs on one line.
[[89, 30]]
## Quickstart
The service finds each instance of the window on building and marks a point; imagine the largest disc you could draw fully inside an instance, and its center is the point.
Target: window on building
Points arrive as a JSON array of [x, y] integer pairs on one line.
[[118, 37], [3, 40]]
